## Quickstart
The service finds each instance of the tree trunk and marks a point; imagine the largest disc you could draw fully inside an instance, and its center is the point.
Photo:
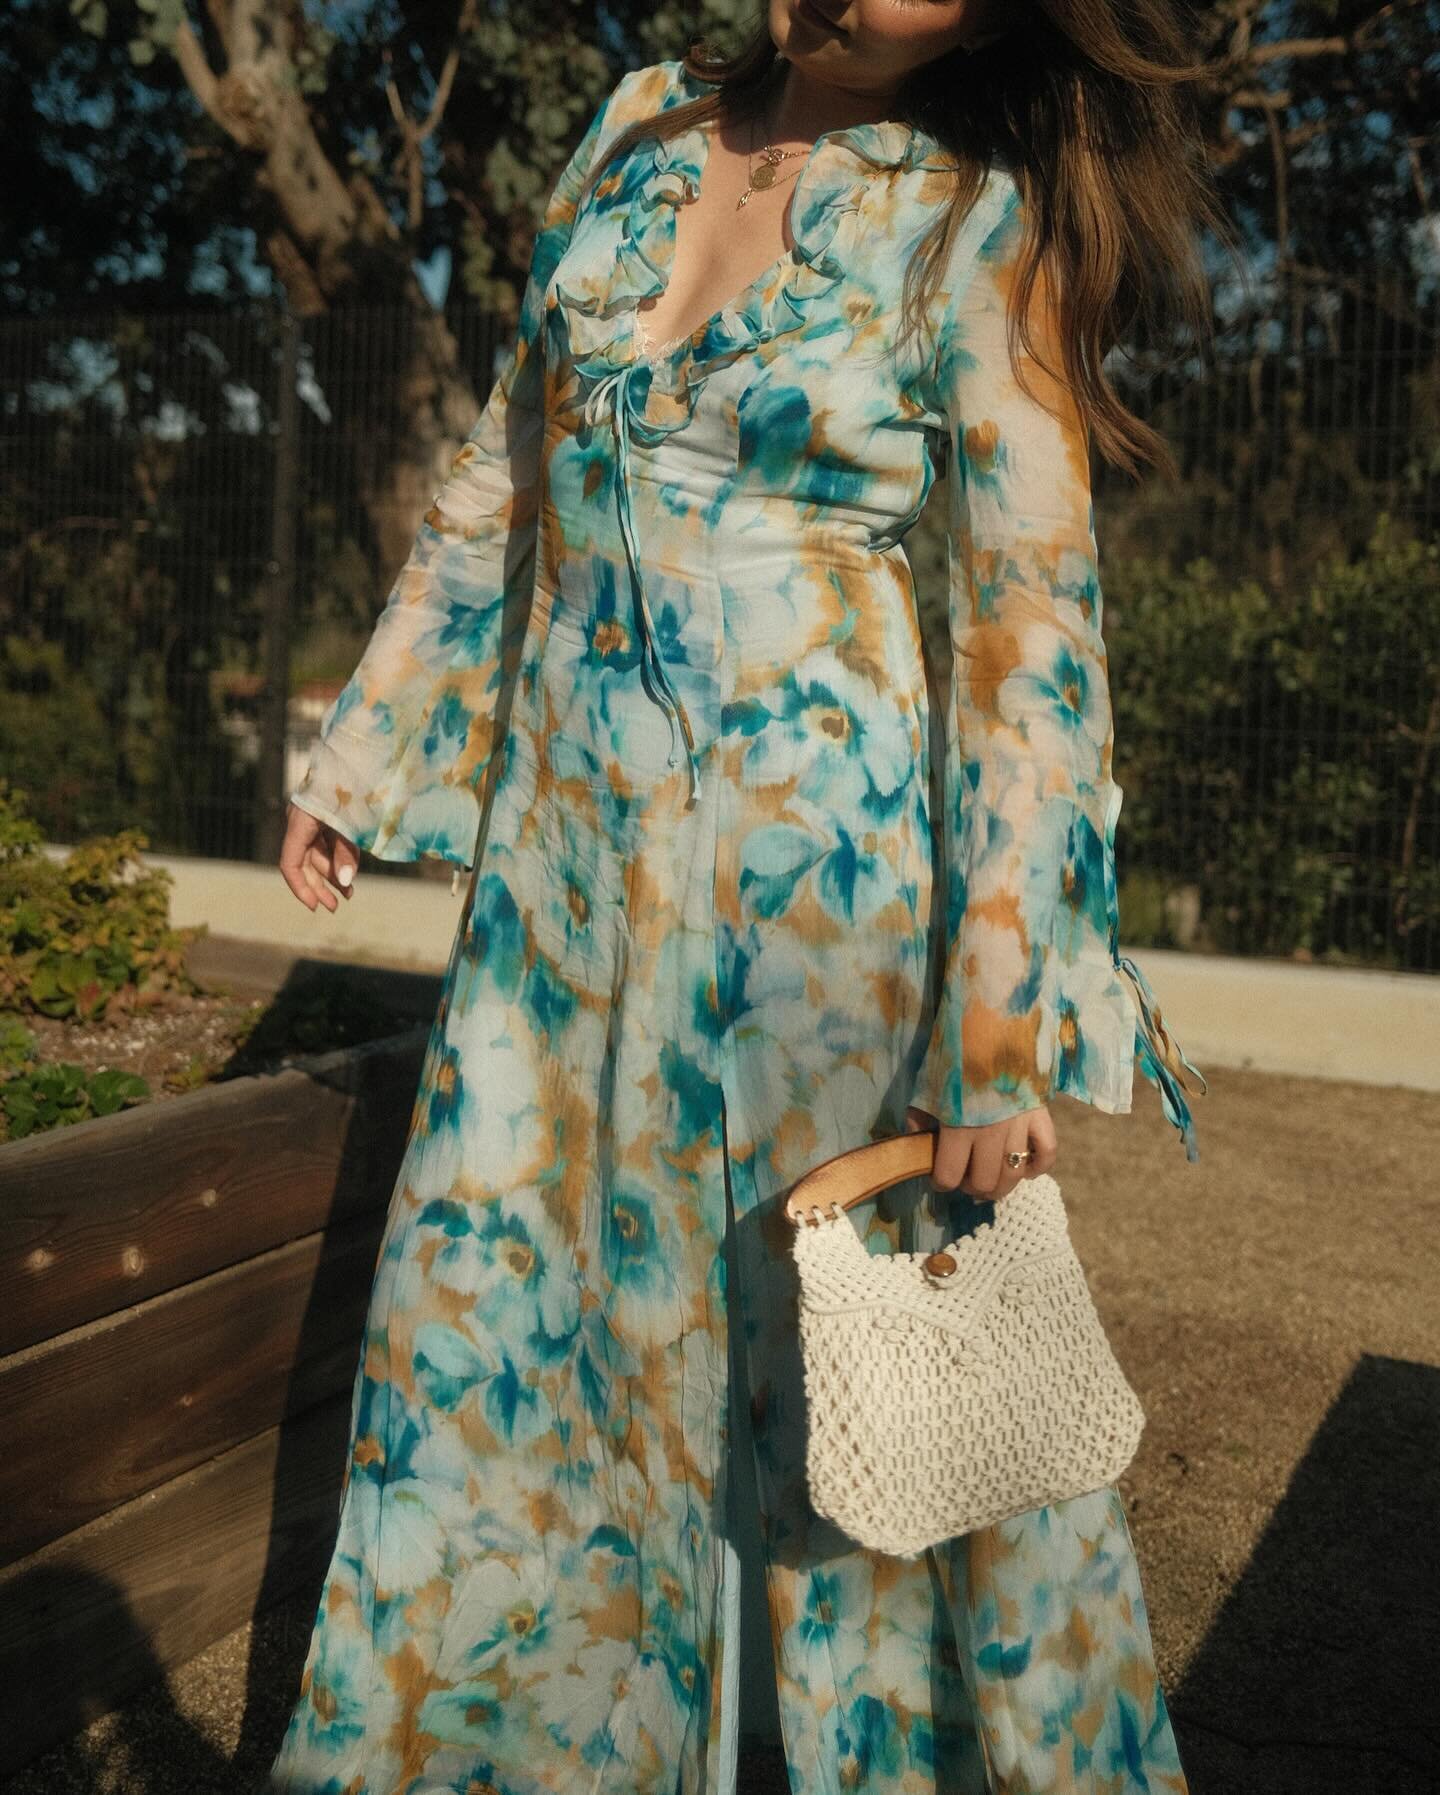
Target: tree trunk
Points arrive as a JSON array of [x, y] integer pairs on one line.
[[339, 254]]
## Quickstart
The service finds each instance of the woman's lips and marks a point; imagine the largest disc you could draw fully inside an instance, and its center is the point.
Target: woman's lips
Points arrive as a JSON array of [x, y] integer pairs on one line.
[[812, 15]]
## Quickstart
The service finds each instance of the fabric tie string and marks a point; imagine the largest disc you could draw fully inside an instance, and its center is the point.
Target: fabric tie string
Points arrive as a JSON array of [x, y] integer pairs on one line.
[[1162, 1058], [615, 386]]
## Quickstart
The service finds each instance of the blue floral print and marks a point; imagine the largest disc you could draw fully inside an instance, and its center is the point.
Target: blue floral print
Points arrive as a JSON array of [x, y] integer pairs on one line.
[[653, 673]]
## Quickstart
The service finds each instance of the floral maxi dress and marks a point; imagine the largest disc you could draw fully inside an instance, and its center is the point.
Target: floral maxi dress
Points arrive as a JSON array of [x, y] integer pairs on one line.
[[653, 670]]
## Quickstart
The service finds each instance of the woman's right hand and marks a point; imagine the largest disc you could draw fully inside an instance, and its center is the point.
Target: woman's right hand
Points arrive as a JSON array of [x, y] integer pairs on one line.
[[973, 1159], [314, 856]]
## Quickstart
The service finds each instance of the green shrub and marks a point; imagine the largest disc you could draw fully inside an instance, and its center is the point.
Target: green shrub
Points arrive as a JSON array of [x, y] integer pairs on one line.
[[1279, 751], [76, 933], [56, 741]]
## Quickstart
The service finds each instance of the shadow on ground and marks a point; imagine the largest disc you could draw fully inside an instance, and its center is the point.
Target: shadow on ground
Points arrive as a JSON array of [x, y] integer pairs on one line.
[[1325, 1655], [140, 1742], [1327, 1652]]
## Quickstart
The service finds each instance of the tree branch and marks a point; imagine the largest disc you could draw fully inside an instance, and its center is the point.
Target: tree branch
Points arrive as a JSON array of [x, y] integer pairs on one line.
[[1298, 49], [200, 78], [409, 161], [1278, 152], [1243, 54], [1232, 149], [464, 26]]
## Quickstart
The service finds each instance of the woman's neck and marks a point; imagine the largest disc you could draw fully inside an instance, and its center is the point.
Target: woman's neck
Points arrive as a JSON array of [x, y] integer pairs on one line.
[[801, 108]]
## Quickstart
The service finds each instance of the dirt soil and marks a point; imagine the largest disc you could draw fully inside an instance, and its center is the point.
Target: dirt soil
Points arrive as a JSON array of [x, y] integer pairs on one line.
[[258, 1007], [174, 1044]]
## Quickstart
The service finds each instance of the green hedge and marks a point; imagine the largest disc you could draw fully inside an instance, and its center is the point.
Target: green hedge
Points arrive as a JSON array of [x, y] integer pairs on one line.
[[1280, 754]]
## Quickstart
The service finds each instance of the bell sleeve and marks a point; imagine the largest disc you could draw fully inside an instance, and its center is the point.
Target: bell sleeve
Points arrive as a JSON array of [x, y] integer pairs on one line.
[[403, 747], [1035, 996]]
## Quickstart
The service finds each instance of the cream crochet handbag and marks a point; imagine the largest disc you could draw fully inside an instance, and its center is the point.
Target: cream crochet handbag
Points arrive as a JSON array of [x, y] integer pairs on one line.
[[949, 1390]]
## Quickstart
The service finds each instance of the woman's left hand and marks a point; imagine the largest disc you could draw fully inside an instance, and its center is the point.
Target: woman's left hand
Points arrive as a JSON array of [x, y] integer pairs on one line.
[[973, 1159]]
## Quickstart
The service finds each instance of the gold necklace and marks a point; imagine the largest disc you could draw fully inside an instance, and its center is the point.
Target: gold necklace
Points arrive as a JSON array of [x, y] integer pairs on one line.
[[766, 175]]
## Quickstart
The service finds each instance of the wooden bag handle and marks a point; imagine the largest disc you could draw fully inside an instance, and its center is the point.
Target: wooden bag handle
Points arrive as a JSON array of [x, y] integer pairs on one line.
[[850, 1178]]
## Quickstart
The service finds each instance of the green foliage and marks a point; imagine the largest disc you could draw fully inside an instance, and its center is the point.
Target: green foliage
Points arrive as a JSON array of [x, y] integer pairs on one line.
[[54, 739], [1144, 910], [76, 932], [112, 639], [35, 1096], [17, 1044], [57, 1094], [20, 834], [1279, 752]]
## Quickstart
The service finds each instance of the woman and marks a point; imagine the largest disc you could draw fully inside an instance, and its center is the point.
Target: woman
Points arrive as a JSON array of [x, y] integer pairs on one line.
[[654, 671]]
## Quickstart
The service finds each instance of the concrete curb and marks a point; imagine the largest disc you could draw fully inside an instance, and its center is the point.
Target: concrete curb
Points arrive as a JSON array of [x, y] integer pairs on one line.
[[1366, 1027]]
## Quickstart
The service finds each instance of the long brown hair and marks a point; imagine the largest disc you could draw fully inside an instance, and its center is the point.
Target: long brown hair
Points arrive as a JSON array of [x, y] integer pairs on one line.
[[1087, 102]]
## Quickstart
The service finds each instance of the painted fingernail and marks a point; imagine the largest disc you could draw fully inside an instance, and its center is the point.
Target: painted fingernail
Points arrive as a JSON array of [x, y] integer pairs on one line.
[[346, 874]]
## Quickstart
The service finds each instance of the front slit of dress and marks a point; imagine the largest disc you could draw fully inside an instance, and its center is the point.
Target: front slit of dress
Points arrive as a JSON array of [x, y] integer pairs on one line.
[[738, 1439]]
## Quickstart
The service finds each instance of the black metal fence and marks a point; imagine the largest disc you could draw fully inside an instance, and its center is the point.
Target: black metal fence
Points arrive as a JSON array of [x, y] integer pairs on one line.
[[195, 540], [201, 515]]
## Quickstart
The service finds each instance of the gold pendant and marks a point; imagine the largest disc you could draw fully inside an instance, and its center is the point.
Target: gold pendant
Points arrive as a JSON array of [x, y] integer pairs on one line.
[[764, 176], [743, 197]]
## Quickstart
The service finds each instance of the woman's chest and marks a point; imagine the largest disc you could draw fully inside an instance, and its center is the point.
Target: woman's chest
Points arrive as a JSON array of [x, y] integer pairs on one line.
[[793, 386], [726, 233]]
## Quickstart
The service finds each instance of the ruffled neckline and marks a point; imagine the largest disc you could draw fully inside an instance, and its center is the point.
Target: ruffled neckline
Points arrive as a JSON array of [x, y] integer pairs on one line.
[[656, 179]]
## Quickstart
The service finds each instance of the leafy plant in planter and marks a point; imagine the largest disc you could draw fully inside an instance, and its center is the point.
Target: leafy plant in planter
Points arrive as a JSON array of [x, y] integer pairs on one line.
[[78, 938], [38, 1094], [85, 934]]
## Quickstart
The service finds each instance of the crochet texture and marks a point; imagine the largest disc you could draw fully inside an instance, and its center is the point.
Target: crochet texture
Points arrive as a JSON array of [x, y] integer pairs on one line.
[[939, 1405]]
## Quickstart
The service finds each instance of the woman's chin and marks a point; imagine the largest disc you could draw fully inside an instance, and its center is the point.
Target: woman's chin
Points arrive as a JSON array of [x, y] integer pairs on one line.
[[806, 45]]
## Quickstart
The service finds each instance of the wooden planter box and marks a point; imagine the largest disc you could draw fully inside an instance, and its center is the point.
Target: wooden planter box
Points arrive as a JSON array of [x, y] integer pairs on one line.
[[184, 1289]]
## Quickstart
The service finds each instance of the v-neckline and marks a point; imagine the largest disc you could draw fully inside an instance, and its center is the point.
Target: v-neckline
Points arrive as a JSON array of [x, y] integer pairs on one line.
[[676, 342], [705, 132], [598, 295]]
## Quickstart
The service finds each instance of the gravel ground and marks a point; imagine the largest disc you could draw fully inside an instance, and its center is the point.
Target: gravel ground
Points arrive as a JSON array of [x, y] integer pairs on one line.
[[175, 1041], [1275, 1307], [257, 1006]]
